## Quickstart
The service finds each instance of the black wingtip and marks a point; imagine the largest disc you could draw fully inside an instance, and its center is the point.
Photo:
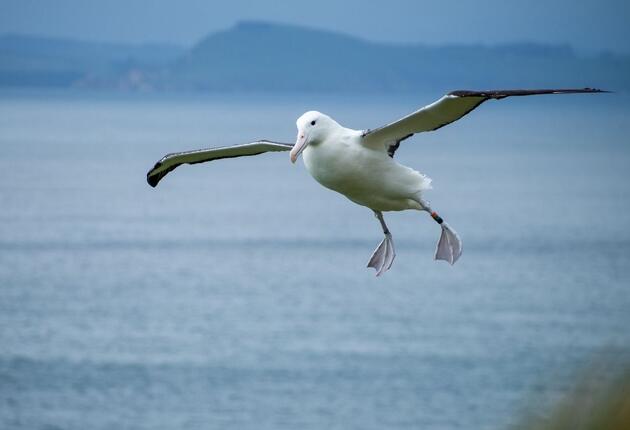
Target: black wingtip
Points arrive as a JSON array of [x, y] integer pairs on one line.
[[500, 94], [595, 90], [154, 178]]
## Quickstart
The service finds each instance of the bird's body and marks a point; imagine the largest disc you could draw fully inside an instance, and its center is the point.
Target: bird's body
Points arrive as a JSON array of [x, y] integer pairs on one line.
[[360, 164], [367, 175]]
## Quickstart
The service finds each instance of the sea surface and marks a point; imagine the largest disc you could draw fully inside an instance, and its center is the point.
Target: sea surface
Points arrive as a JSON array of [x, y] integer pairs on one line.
[[235, 294]]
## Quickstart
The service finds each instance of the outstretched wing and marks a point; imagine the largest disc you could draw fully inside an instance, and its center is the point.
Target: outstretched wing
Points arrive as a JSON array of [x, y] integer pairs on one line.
[[446, 110], [171, 161]]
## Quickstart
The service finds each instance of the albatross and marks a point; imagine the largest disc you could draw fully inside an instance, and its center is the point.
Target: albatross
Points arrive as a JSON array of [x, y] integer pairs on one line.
[[360, 164]]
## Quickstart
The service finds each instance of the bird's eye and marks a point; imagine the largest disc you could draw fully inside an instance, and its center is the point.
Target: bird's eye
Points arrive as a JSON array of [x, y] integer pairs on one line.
[[312, 122]]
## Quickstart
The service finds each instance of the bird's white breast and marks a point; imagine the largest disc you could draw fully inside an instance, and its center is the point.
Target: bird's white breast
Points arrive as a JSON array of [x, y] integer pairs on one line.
[[367, 176]]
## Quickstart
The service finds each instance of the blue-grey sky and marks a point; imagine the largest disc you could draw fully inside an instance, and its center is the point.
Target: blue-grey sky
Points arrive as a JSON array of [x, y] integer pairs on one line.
[[589, 25]]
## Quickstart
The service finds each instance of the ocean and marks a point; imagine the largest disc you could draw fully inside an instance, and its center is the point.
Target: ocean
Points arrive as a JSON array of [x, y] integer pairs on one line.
[[235, 294]]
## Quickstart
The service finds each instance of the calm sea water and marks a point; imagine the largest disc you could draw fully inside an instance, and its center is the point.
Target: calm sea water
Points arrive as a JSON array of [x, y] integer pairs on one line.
[[235, 295]]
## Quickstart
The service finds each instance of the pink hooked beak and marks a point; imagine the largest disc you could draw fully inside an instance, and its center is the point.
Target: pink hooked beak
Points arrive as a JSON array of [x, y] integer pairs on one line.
[[300, 144]]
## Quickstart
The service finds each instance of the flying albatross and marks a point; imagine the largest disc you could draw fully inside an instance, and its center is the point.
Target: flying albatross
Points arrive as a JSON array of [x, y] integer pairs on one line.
[[360, 163]]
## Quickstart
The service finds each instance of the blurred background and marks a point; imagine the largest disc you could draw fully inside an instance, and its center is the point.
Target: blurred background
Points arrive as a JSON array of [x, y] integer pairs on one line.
[[235, 295]]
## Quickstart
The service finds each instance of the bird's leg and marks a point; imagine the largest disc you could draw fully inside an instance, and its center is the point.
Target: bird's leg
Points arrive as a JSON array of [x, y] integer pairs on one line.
[[449, 247], [384, 254]]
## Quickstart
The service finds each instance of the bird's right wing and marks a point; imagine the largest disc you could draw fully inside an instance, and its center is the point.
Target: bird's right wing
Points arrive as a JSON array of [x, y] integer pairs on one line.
[[171, 161], [448, 109]]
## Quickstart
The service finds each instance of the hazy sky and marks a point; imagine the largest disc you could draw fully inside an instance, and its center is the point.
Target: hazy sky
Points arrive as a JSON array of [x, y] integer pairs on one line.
[[586, 24]]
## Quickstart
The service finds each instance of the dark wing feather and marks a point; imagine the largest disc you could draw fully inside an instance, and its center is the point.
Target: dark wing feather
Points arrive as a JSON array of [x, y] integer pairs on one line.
[[446, 110], [171, 161]]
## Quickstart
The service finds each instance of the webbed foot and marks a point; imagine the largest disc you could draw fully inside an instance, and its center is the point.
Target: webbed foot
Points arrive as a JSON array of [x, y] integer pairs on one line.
[[383, 255], [449, 247]]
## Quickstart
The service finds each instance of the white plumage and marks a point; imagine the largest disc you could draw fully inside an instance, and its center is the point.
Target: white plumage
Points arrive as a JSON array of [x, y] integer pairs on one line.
[[339, 160]]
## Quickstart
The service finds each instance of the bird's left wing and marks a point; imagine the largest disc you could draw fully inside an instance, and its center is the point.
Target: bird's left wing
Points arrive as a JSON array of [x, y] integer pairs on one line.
[[171, 161], [448, 109]]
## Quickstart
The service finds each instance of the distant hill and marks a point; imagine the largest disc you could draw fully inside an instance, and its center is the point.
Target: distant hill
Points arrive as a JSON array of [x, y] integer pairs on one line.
[[258, 56], [27, 61]]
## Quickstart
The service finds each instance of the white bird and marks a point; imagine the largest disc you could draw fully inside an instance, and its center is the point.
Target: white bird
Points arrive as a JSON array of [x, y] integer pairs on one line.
[[360, 163]]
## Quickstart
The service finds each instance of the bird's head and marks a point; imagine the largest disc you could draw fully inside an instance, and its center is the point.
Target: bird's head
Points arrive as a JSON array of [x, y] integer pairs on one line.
[[313, 127]]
